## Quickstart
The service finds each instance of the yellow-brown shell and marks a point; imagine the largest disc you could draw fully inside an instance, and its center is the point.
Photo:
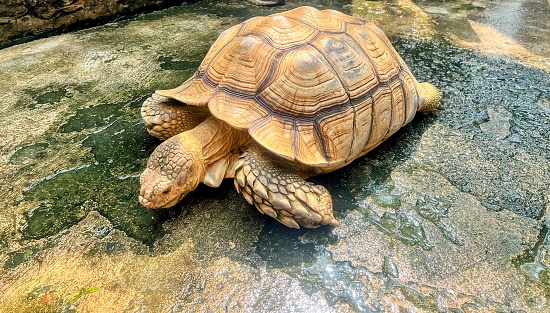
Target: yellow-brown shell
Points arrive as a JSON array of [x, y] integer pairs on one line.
[[318, 87]]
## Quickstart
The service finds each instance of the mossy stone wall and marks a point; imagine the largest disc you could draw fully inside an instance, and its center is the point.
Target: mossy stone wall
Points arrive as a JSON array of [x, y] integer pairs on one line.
[[23, 20]]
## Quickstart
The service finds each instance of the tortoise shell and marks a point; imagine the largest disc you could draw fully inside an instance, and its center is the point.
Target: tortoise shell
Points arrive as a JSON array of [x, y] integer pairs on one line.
[[318, 87]]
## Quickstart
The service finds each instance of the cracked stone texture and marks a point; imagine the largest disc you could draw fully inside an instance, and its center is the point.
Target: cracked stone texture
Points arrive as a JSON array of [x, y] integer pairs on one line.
[[448, 215]]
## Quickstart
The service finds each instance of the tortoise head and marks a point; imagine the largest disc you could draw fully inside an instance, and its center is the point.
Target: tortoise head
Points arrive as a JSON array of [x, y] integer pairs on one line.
[[175, 168]]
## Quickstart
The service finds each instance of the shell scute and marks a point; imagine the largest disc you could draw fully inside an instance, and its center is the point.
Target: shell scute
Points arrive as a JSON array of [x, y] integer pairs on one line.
[[381, 116], [308, 145], [398, 108], [242, 113], [245, 66], [362, 126], [325, 21], [279, 31], [378, 53], [338, 136], [346, 58], [412, 93], [304, 84], [274, 133], [225, 37], [193, 92]]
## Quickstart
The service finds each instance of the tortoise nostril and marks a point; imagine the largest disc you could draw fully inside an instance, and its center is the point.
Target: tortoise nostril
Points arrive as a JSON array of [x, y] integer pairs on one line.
[[147, 192], [167, 190]]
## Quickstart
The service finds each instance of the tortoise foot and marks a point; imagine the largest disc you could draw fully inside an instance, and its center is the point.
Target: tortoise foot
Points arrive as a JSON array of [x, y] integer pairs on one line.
[[282, 194], [166, 117]]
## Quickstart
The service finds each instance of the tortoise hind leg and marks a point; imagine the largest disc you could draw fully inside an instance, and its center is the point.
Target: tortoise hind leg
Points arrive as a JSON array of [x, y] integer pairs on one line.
[[277, 191], [165, 117]]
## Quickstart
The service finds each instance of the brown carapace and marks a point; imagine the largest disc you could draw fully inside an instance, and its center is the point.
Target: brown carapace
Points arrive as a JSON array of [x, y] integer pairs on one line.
[[278, 99]]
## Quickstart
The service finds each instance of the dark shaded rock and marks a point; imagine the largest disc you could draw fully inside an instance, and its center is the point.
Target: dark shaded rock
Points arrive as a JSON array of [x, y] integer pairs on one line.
[[21, 20]]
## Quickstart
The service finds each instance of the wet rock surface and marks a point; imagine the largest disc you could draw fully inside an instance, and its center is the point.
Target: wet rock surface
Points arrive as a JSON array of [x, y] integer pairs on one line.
[[448, 215]]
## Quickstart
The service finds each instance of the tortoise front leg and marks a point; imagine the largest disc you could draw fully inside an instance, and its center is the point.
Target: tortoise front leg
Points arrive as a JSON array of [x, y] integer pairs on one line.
[[279, 192], [165, 117]]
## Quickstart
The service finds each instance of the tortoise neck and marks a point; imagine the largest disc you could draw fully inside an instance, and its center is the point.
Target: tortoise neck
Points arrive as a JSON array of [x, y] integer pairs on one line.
[[217, 139]]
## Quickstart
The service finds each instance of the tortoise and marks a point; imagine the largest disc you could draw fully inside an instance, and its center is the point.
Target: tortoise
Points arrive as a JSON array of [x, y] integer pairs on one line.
[[276, 100]]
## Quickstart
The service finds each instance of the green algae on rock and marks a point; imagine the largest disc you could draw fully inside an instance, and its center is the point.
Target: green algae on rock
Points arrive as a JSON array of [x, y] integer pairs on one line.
[[107, 185]]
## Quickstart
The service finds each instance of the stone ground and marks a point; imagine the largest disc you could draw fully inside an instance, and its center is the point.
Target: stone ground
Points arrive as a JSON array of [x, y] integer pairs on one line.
[[23, 20], [449, 215]]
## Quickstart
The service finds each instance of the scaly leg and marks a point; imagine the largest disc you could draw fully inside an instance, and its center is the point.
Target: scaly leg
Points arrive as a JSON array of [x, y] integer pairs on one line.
[[279, 192], [165, 117]]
